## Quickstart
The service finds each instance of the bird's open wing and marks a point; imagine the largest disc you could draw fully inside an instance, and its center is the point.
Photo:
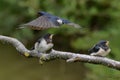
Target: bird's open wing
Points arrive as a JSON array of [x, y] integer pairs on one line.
[[40, 23]]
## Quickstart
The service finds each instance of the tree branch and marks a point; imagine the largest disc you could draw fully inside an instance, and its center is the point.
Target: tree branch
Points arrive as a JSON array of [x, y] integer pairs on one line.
[[68, 56]]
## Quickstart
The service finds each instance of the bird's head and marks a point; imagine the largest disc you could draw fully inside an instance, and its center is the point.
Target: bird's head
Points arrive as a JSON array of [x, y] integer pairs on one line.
[[104, 43], [48, 37]]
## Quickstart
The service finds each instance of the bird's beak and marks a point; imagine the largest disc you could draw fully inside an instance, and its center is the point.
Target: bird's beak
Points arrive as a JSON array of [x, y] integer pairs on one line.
[[51, 36], [107, 43]]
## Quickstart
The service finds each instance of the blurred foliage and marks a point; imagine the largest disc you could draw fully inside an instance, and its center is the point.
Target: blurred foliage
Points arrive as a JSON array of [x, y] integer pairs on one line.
[[100, 19]]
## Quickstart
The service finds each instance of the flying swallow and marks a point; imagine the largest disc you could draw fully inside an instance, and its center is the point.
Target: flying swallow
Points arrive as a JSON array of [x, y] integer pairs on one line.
[[100, 49], [47, 20]]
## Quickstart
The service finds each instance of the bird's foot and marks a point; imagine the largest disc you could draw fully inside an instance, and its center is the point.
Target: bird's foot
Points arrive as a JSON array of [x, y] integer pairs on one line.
[[98, 55], [42, 59]]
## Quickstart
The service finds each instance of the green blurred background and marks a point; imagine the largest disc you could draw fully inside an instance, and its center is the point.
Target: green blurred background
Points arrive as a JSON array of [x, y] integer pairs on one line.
[[100, 20]]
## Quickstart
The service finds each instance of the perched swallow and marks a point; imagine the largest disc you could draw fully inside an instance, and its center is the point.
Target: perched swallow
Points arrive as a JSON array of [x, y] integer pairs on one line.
[[47, 20], [100, 49], [44, 44]]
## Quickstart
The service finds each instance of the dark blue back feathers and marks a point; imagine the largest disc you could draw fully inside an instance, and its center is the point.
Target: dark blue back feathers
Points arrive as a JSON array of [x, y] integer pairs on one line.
[[52, 17]]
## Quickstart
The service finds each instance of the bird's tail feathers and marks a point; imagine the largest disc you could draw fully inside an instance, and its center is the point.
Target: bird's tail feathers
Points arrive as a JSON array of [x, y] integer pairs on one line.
[[74, 25], [21, 26]]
